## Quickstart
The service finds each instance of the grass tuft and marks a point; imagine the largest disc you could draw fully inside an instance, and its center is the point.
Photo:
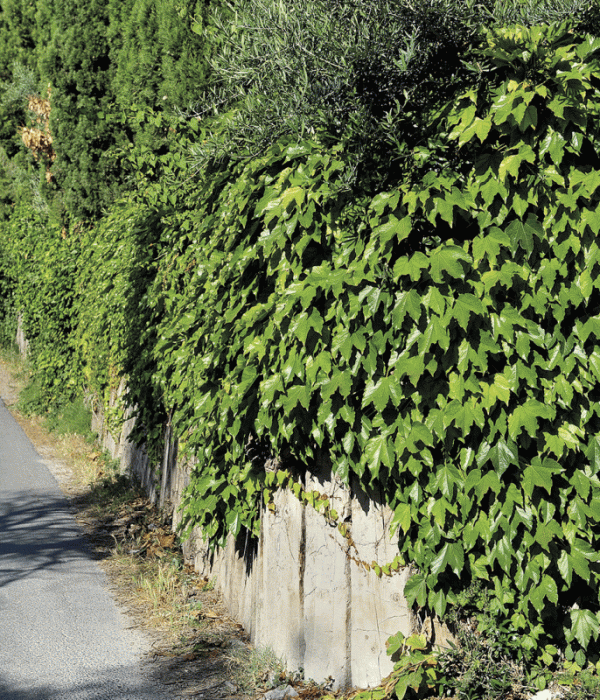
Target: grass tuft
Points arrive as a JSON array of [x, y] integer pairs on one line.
[[255, 670], [74, 418]]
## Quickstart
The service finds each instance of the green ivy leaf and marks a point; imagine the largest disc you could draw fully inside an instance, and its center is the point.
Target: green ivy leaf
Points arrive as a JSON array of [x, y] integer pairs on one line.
[[592, 453], [565, 568], [540, 474], [503, 455], [465, 305], [584, 626], [402, 518], [546, 590], [377, 393], [524, 233], [438, 602], [452, 555], [379, 450], [415, 590], [446, 478], [447, 260], [526, 416]]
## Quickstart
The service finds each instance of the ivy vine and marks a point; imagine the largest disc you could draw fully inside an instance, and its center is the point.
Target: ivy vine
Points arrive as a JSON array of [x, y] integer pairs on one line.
[[438, 339]]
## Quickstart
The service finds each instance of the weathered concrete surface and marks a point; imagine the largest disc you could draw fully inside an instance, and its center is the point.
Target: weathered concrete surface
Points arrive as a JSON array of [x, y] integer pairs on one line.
[[280, 582], [21, 340], [327, 587], [301, 589], [382, 610]]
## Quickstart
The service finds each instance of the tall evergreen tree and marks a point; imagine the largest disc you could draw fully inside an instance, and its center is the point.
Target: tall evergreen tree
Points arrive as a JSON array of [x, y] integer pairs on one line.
[[18, 82], [17, 29], [77, 64], [184, 53], [138, 61], [161, 61]]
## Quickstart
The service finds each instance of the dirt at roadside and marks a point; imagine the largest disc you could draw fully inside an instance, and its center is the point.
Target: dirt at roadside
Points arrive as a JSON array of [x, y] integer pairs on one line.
[[9, 385]]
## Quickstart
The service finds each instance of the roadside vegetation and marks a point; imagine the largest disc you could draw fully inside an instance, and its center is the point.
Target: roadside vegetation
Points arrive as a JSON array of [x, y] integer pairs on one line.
[[185, 617], [361, 232]]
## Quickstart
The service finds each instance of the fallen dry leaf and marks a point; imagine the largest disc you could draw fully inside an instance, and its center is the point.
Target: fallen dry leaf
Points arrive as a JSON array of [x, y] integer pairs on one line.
[[212, 615], [166, 540]]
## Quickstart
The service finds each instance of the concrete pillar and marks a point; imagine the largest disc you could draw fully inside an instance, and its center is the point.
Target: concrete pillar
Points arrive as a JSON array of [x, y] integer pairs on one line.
[[327, 594], [279, 617], [378, 606]]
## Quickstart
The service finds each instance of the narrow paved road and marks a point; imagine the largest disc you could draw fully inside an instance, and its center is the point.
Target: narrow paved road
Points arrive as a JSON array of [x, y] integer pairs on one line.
[[61, 635]]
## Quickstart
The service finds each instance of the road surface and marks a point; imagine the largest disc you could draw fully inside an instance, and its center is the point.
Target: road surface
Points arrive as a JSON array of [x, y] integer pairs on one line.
[[61, 635]]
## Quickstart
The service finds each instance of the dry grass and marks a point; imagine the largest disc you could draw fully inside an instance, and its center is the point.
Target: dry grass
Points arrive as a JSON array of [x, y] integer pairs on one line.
[[161, 589], [144, 562], [256, 669]]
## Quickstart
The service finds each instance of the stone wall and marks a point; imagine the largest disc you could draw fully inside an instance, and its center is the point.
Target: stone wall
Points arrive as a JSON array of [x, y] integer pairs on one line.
[[20, 339], [300, 588]]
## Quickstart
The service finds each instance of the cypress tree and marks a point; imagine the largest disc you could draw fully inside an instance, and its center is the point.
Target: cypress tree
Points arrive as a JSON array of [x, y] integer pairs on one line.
[[17, 28], [161, 62], [138, 61], [184, 53], [18, 82], [76, 63]]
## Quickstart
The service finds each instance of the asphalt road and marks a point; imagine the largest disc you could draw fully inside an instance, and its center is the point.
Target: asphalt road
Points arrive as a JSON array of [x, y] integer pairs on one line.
[[61, 635]]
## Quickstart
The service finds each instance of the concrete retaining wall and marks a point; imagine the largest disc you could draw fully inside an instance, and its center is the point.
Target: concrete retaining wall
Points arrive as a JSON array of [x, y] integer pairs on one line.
[[299, 589], [20, 339]]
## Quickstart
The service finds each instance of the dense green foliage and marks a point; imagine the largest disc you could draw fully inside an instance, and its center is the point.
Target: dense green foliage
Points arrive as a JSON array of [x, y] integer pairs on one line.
[[159, 59], [379, 260], [436, 339], [102, 139], [39, 264], [118, 265], [331, 67], [103, 63], [76, 63]]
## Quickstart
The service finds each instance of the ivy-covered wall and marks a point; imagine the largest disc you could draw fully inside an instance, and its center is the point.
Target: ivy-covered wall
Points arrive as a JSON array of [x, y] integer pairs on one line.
[[302, 588], [406, 289]]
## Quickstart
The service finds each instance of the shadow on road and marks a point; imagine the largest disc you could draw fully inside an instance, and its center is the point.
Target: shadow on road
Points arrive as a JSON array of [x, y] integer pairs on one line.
[[120, 683], [37, 533]]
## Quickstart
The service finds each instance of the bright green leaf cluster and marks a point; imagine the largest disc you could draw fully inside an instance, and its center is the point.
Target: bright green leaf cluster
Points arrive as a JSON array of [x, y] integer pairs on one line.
[[437, 340]]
